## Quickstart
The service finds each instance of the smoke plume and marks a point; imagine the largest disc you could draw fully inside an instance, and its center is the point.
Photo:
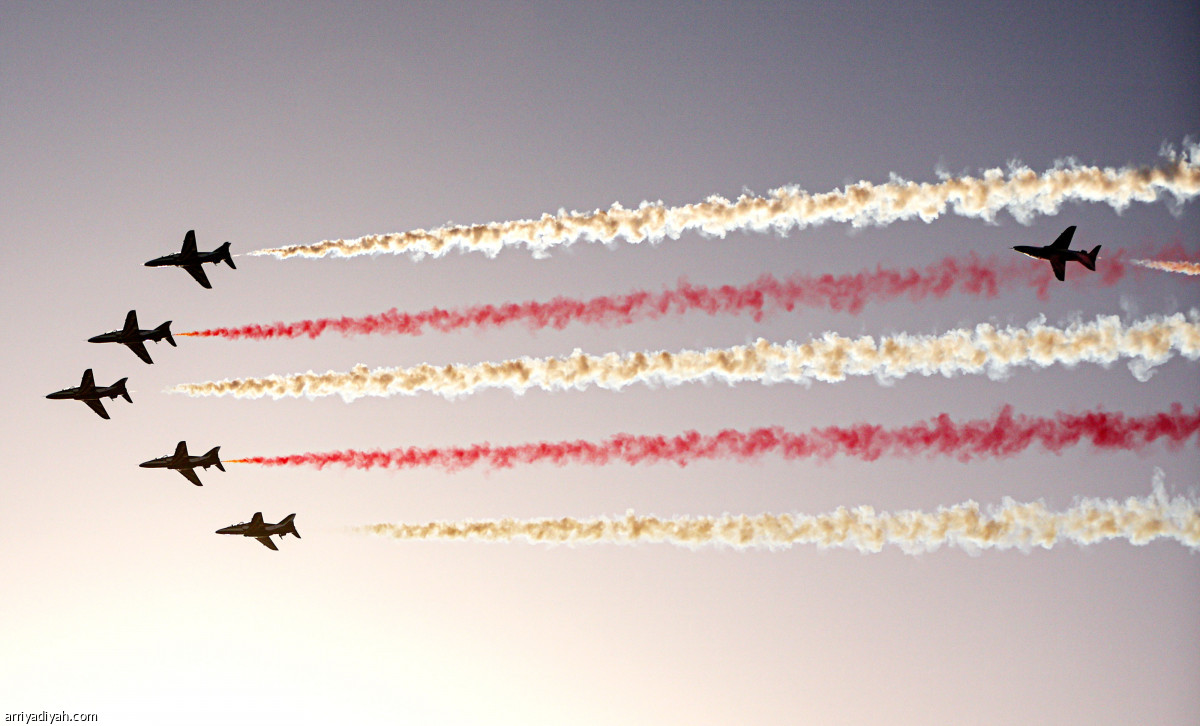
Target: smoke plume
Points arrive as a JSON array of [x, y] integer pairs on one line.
[[1018, 190], [831, 357], [969, 275], [1003, 435], [967, 525], [1187, 268]]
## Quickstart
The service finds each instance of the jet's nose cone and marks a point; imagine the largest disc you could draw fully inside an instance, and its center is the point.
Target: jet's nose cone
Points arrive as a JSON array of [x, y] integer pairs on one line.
[[96, 338], [225, 530], [145, 464]]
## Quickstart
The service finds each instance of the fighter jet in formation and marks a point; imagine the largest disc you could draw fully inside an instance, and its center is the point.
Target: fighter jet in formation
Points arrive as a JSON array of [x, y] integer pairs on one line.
[[1058, 254], [191, 260], [88, 392], [184, 464], [261, 531], [133, 337]]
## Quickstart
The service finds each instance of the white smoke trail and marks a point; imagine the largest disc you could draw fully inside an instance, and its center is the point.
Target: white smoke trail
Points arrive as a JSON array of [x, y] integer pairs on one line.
[[1148, 343], [1019, 190], [1187, 268], [1010, 525]]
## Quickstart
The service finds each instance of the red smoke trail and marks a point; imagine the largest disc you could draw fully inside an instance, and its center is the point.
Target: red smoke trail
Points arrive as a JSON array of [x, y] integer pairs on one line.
[[971, 275], [1003, 435]]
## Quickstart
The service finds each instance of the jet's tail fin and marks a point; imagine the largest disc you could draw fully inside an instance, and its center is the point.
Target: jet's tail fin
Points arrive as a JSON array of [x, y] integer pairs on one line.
[[291, 526], [163, 332], [1090, 262], [213, 458], [120, 390], [225, 256]]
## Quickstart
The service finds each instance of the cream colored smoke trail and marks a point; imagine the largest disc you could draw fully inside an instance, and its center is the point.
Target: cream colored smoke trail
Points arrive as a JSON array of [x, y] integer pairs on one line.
[[1187, 268], [1147, 343], [1019, 190], [1012, 524]]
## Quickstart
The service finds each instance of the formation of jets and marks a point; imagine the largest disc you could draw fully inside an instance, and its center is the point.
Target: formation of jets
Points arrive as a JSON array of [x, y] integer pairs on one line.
[[1057, 253], [135, 338]]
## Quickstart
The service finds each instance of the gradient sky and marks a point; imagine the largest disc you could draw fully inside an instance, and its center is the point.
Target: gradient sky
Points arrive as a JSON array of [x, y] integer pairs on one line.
[[122, 126]]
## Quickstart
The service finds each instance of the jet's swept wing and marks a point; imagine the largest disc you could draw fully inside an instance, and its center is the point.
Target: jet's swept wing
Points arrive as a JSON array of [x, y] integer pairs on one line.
[[95, 405], [139, 347], [267, 542], [197, 272], [88, 381], [189, 243], [1064, 240], [131, 325], [1060, 267], [190, 475]]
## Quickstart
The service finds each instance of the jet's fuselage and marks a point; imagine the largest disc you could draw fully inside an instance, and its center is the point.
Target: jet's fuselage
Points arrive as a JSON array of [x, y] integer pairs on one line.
[[123, 336], [178, 259], [66, 393], [162, 462], [79, 393], [170, 462], [243, 529], [1048, 253], [249, 529]]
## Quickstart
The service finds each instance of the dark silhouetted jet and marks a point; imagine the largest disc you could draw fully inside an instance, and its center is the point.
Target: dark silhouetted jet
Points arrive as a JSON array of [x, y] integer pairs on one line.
[[1058, 254], [184, 464], [191, 260], [261, 531], [131, 336], [88, 392]]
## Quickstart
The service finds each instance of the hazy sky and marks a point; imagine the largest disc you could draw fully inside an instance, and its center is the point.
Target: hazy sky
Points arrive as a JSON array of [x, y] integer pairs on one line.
[[122, 126]]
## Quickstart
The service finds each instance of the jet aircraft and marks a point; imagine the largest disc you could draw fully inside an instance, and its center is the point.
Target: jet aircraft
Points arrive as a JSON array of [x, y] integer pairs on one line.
[[261, 531], [133, 337], [191, 260], [184, 464], [88, 392], [1058, 254]]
